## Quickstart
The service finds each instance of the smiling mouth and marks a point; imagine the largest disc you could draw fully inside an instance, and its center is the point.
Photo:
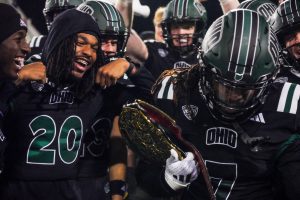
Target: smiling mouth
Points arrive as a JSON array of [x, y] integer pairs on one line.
[[19, 62], [81, 65]]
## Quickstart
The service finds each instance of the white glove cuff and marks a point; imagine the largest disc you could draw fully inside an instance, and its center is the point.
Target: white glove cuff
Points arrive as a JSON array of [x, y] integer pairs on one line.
[[174, 184]]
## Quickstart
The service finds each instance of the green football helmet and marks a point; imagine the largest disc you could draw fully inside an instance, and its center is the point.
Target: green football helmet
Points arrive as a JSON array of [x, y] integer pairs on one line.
[[264, 7], [111, 25], [239, 61], [183, 13], [54, 7], [286, 21]]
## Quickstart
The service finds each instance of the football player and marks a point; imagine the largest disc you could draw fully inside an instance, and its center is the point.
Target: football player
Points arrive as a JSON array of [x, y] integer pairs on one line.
[[46, 122], [245, 126], [13, 50], [52, 9], [288, 34], [103, 147], [183, 28]]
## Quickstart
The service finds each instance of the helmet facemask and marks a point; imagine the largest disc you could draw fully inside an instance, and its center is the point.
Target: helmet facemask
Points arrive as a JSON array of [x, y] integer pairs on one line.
[[232, 101], [291, 53], [183, 43], [118, 39]]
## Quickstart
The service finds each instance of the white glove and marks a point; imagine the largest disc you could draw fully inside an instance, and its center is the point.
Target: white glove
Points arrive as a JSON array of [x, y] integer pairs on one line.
[[180, 173]]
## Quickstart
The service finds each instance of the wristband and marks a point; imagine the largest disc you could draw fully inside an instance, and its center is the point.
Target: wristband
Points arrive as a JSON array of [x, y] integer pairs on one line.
[[131, 65], [116, 187]]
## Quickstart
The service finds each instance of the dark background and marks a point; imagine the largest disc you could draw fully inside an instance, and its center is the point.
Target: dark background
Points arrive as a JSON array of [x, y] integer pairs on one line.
[[33, 9]]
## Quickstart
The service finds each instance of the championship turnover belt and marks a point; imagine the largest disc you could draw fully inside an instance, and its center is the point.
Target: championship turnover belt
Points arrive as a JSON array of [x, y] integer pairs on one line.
[[151, 133]]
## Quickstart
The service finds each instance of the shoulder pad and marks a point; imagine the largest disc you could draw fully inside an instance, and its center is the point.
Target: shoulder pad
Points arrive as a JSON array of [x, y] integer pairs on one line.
[[289, 97]]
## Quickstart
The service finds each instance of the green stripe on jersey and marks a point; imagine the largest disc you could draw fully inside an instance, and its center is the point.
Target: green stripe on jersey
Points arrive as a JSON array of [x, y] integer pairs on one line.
[[289, 97]]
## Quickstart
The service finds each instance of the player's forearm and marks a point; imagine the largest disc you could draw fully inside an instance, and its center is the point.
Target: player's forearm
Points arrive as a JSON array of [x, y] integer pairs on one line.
[[125, 7], [228, 5], [137, 48], [117, 173]]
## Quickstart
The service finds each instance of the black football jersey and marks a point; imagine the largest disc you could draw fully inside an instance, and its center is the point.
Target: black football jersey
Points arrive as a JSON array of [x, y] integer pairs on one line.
[[288, 74], [7, 89], [160, 58], [45, 130], [94, 158], [238, 168]]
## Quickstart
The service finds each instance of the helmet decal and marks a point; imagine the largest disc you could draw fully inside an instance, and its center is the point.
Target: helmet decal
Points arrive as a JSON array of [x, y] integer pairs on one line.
[[215, 35], [273, 47], [113, 18], [264, 7], [180, 8], [245, 59], [86, 9], [290, 12]]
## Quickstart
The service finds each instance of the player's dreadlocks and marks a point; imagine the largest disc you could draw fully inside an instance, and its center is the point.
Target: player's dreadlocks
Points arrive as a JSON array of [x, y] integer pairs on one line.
[[60, 65], [184, 80]]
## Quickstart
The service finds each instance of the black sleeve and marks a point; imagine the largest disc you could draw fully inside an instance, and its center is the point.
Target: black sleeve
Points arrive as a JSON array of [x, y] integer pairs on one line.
[[288, 168], [150, 177], [7, 89], [143, 79]]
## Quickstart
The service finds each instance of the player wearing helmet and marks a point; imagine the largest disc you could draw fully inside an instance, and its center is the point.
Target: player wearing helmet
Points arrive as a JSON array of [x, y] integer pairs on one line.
[[244, 125], [52, 9], [103, 150], [285, 22], [183, 28]]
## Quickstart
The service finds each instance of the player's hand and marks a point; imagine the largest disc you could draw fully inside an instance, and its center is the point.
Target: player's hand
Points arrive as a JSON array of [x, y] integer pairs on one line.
[[180, 173], [108, 74], [34, 71]]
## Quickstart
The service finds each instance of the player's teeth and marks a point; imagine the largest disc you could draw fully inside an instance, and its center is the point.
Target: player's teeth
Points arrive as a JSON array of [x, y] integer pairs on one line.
[[19, 62], [83, 62]]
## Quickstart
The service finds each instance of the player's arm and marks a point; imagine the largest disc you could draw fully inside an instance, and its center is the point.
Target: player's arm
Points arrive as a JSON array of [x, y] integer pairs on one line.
[[108, 74], [118, 161], [135, 46], [125, 7], [34, 72], [228, 5]]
